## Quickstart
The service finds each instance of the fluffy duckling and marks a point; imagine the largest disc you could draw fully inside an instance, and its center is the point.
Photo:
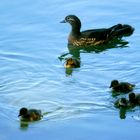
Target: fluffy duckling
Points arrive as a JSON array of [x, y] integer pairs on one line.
[[122, 102], [134, 98], [72, 63], [121, 86], [30, 114]]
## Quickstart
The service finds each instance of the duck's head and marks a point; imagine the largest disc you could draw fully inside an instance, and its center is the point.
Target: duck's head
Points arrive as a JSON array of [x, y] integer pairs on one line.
[[23, 111], [114, 83], [73, 20]]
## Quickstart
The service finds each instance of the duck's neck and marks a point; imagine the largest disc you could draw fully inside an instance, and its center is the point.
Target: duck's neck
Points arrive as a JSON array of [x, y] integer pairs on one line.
[[75, 31]]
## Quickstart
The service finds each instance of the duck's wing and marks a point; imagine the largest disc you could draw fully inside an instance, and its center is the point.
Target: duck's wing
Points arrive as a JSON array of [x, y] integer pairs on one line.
[[118, 30], [35, 111], [121, 30], [98, 34], [127, 84]]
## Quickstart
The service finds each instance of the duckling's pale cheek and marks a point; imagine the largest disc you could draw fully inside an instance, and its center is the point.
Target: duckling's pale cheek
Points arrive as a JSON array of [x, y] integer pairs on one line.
[[31, 119], [68, 66], [130, 87]]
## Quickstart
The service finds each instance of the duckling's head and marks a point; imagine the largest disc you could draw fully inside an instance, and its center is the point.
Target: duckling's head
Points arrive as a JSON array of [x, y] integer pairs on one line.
[[23, 111], [72, 63], [114, 83], [122, 102], [132, 97], [73, 20]]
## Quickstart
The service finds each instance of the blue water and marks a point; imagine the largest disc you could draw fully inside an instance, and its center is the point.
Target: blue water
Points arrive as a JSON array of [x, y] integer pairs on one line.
[[33, 46]]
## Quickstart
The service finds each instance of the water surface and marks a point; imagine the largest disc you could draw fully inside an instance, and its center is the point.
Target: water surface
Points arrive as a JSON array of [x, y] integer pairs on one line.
[[32, 41]]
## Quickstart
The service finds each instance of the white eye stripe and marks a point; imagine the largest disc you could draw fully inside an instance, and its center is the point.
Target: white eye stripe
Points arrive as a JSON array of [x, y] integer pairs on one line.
[[71, 19]]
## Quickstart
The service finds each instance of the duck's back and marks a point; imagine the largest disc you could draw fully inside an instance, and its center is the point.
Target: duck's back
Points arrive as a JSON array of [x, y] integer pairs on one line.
[[124, 87], [118, 30], [98, 34], [138, 99], [37, 112], [34, 114]]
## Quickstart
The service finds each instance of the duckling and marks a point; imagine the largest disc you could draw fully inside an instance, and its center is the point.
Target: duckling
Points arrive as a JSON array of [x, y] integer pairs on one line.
[[30, 114], [121, 86], [72, 63], [134, 98], [122, 102]]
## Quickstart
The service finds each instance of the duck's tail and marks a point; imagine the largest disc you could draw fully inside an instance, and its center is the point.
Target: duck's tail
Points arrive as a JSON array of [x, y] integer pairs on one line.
[[121, 30]]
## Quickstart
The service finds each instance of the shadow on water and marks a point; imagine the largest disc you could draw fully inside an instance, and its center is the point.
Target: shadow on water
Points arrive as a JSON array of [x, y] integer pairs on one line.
[[74, 51]]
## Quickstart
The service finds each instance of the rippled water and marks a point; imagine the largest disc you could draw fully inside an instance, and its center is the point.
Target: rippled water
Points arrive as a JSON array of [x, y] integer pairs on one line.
[[33, 46]]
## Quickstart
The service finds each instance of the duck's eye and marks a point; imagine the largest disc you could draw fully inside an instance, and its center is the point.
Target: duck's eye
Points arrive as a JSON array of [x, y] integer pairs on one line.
[[68, 18]]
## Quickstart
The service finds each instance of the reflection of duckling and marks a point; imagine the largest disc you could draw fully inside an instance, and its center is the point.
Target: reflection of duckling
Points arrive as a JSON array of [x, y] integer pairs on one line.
[[122, 86], [123, 113], [72, 63], [134, 98], [123, 105], [30, 115]]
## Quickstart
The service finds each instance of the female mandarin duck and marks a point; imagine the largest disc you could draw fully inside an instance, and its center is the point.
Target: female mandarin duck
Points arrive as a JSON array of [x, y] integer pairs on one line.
[[121, 86], [94, 36], [30, 114]]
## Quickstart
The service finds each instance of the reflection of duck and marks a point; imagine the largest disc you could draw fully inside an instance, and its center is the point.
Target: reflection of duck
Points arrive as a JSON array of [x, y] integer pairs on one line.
[[94, 36], [76, 51], [121, 86], [72, 63], [134, 98], [30, 115]]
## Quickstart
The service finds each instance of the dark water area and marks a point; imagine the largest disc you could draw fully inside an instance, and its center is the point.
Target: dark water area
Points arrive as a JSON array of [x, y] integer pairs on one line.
[[33, 48]]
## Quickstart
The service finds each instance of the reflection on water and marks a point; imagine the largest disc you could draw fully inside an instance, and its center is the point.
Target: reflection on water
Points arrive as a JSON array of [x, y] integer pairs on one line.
[[122, 113], [24, 125], [32, 39], [118, 43], [75, 51]]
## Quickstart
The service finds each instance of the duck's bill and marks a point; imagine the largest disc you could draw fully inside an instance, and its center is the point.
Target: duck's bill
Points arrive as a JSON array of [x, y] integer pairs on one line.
[[63, 21]]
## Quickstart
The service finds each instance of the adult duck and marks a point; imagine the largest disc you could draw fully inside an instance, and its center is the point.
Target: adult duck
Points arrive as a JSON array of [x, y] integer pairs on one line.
[[94, 36]]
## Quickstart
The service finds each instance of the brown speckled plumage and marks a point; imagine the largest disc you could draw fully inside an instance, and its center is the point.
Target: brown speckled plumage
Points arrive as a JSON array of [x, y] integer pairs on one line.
[[30, 114], [72, 63]]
